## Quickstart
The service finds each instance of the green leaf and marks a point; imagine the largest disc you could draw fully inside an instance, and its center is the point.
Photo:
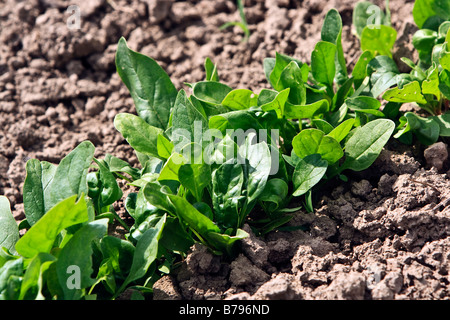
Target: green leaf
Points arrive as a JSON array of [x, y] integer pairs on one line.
[[9, 232], [366, 13], [258, 168], [195, 178], [195, 219], [332, 32], [119, 252], [444, 83], [445, 60], [337, 117], [70, 176], [364, 146], [211, 71], [42, 235], [314, 141], [146, 252], [227, 184], [424, 39], [426, 129], [308, 172], [164, 146], [171, 167], [342, 93], [154, 194], [224, 242], [323, 66], [211, 92], [360, 69], [236, 120], [35, 188], [269, 66], [322, 125], [379, 39], [277, 103], [240, 99], [150, 87], [110, 190], [443, 121], [142, 136], [341, 131], [10, 270], [33, 279], [218, 153], [426, 9], [175, 237], [410, 92], [75, 258], [307, 111], [291, 77], [275, 191], [431, 84], [383, 73], [118, 165], [275, 67], [187, 120], [365, 104]]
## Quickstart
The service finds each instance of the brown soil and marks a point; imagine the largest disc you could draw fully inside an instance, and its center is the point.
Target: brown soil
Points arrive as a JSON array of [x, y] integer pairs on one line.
[[385, 234]]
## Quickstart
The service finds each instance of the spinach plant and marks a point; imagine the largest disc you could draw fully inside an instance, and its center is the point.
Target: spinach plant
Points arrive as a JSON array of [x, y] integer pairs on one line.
[[428, 84], [211, 159]]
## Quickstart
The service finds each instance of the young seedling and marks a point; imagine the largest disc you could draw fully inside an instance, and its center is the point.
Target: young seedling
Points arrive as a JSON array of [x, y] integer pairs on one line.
[[241, 24]]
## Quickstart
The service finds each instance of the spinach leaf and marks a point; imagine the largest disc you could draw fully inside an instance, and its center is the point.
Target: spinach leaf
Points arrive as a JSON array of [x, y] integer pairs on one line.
[[379, 40], [142, 136], [443, 121], [274, 68], [227, 184], [70, 175], [35, 188], [42, 235], [271, 100], [109, 190], [360, 69], [257, 169], [187, 121], [307, 111], [195, 178], [291, 77], [323, 66], [211, 71], [145, 254], [34, 280], [211, 92], [426, 129], [314, 141], [119, 254], [240, 99], [275, 193], [308, 172], [341, 131], [76, 258], [411, 92], [426, 10], [332, 32], [366, 143], [150, 87], [367, 13], [9, 232]]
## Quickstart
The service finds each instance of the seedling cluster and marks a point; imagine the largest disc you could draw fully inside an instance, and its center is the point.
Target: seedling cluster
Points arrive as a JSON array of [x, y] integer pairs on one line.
[[213, 158]]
